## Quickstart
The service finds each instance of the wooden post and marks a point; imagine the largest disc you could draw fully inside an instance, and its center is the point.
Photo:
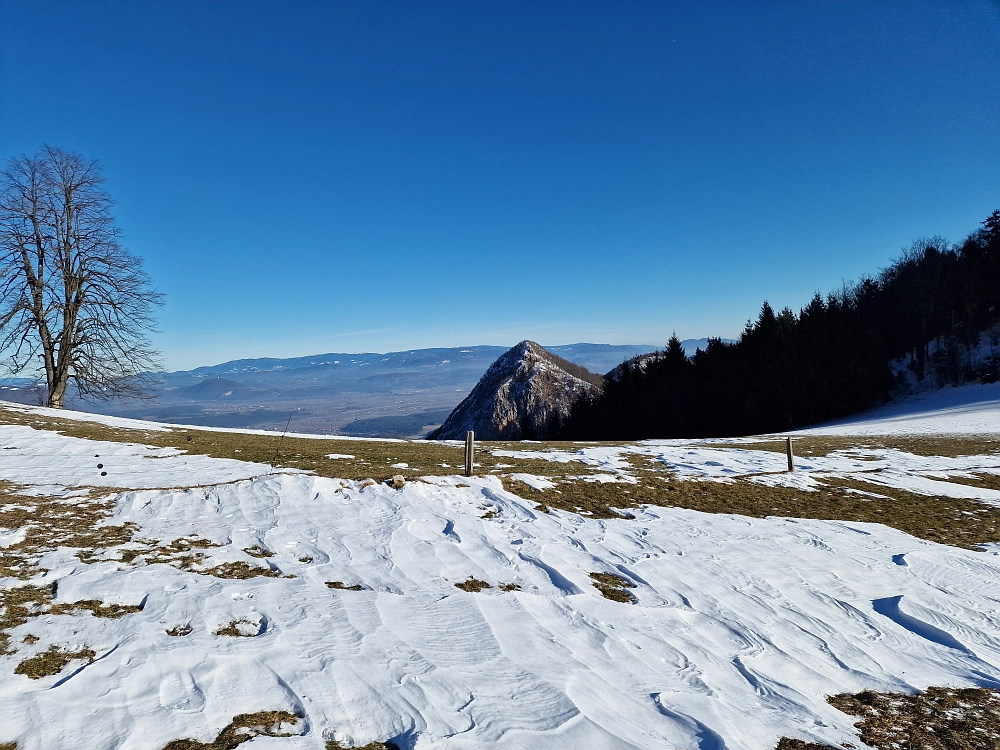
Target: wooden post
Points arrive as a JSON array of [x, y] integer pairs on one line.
[[791, 456], [470, 443]]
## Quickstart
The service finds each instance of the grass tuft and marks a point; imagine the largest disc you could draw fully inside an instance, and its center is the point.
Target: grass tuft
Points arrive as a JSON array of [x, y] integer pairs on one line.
[[96, 608], [787, 743], [940, 718], [240, 570], [243, 728], [334, 745], [343, 586], [473, 585], [234, 629], [180, 631], [51, 662], [613, 587], [257, 551]]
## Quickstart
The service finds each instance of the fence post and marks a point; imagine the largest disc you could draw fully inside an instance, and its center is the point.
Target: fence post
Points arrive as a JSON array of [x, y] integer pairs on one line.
[[791, 456], [470, 443]]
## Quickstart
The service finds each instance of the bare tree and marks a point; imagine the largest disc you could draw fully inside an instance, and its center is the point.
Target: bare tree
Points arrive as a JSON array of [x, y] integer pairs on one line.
[[74, 304]]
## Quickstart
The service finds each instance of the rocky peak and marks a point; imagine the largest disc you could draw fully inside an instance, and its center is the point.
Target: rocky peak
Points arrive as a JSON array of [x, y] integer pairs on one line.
[[519, 395]]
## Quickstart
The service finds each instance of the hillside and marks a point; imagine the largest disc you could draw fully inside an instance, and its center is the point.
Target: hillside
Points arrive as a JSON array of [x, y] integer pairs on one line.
[[662, 594]]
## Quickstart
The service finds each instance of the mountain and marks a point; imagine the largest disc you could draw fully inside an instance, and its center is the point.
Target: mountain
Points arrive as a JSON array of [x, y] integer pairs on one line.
[[519, 395]]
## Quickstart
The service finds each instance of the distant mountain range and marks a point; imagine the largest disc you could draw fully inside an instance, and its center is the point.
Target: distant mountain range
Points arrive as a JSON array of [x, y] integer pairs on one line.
[[398, 394]]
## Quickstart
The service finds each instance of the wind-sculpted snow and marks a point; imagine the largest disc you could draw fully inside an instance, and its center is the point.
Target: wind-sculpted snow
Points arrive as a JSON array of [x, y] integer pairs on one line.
[[740, 627]]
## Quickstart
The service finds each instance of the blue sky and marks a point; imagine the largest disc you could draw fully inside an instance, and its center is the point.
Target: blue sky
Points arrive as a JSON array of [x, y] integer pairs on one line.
[[307, 177]]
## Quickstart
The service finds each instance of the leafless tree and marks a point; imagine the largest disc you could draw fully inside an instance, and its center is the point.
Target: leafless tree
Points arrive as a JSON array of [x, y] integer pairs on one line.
[[74, 304]]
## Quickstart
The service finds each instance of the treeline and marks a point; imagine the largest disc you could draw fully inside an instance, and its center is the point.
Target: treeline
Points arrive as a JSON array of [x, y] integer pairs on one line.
[[832, 359]]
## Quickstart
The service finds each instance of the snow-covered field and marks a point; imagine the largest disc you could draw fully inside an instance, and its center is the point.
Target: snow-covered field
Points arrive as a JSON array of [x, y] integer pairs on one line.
[[739, 629], [960, 410]]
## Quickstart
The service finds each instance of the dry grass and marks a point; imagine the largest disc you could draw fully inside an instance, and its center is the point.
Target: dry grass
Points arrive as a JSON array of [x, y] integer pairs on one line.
[[334, 745], [473, 585], [958, 522], [614, 587], [179, 631], [233, 629], [929, 445], [243, 728], [96, 608], [53, 522], [257, 551], [940, 718], [510, 587], [51, 662], [8, 746], [787, 743], [343, 586], [240, 570], [19, 605], [185, 554], [22, 603]]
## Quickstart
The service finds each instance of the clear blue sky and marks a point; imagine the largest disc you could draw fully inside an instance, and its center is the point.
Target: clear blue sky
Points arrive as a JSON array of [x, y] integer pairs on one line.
[[368, 176]]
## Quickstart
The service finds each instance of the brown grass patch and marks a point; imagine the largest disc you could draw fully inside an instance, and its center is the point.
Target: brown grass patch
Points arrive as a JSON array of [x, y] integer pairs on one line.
[[473, 585], [929, 445], [179, 631], [19, 605], [941, 718], [25, 602], [8, 746], [614, 587], [233, 629], [96, 608], [243, 728], [510, 587], [239, 570], [334, 745], [257, 551], [51, 662], [959, 522], [185, 554], [787, 743], [343, 586]]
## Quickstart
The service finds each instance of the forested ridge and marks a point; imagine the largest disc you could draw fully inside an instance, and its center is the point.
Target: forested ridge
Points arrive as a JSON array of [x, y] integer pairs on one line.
[[928, 310]]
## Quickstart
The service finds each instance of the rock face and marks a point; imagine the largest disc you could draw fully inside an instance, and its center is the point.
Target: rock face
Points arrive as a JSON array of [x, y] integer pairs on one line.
[[519, 395]]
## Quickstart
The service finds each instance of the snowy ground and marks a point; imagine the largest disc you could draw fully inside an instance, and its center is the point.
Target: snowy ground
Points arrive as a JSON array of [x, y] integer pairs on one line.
[[739, 630], [966, 410]]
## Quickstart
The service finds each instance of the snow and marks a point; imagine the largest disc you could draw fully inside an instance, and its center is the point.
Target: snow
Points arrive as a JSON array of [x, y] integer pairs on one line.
[[741, 626], [960, 410]]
